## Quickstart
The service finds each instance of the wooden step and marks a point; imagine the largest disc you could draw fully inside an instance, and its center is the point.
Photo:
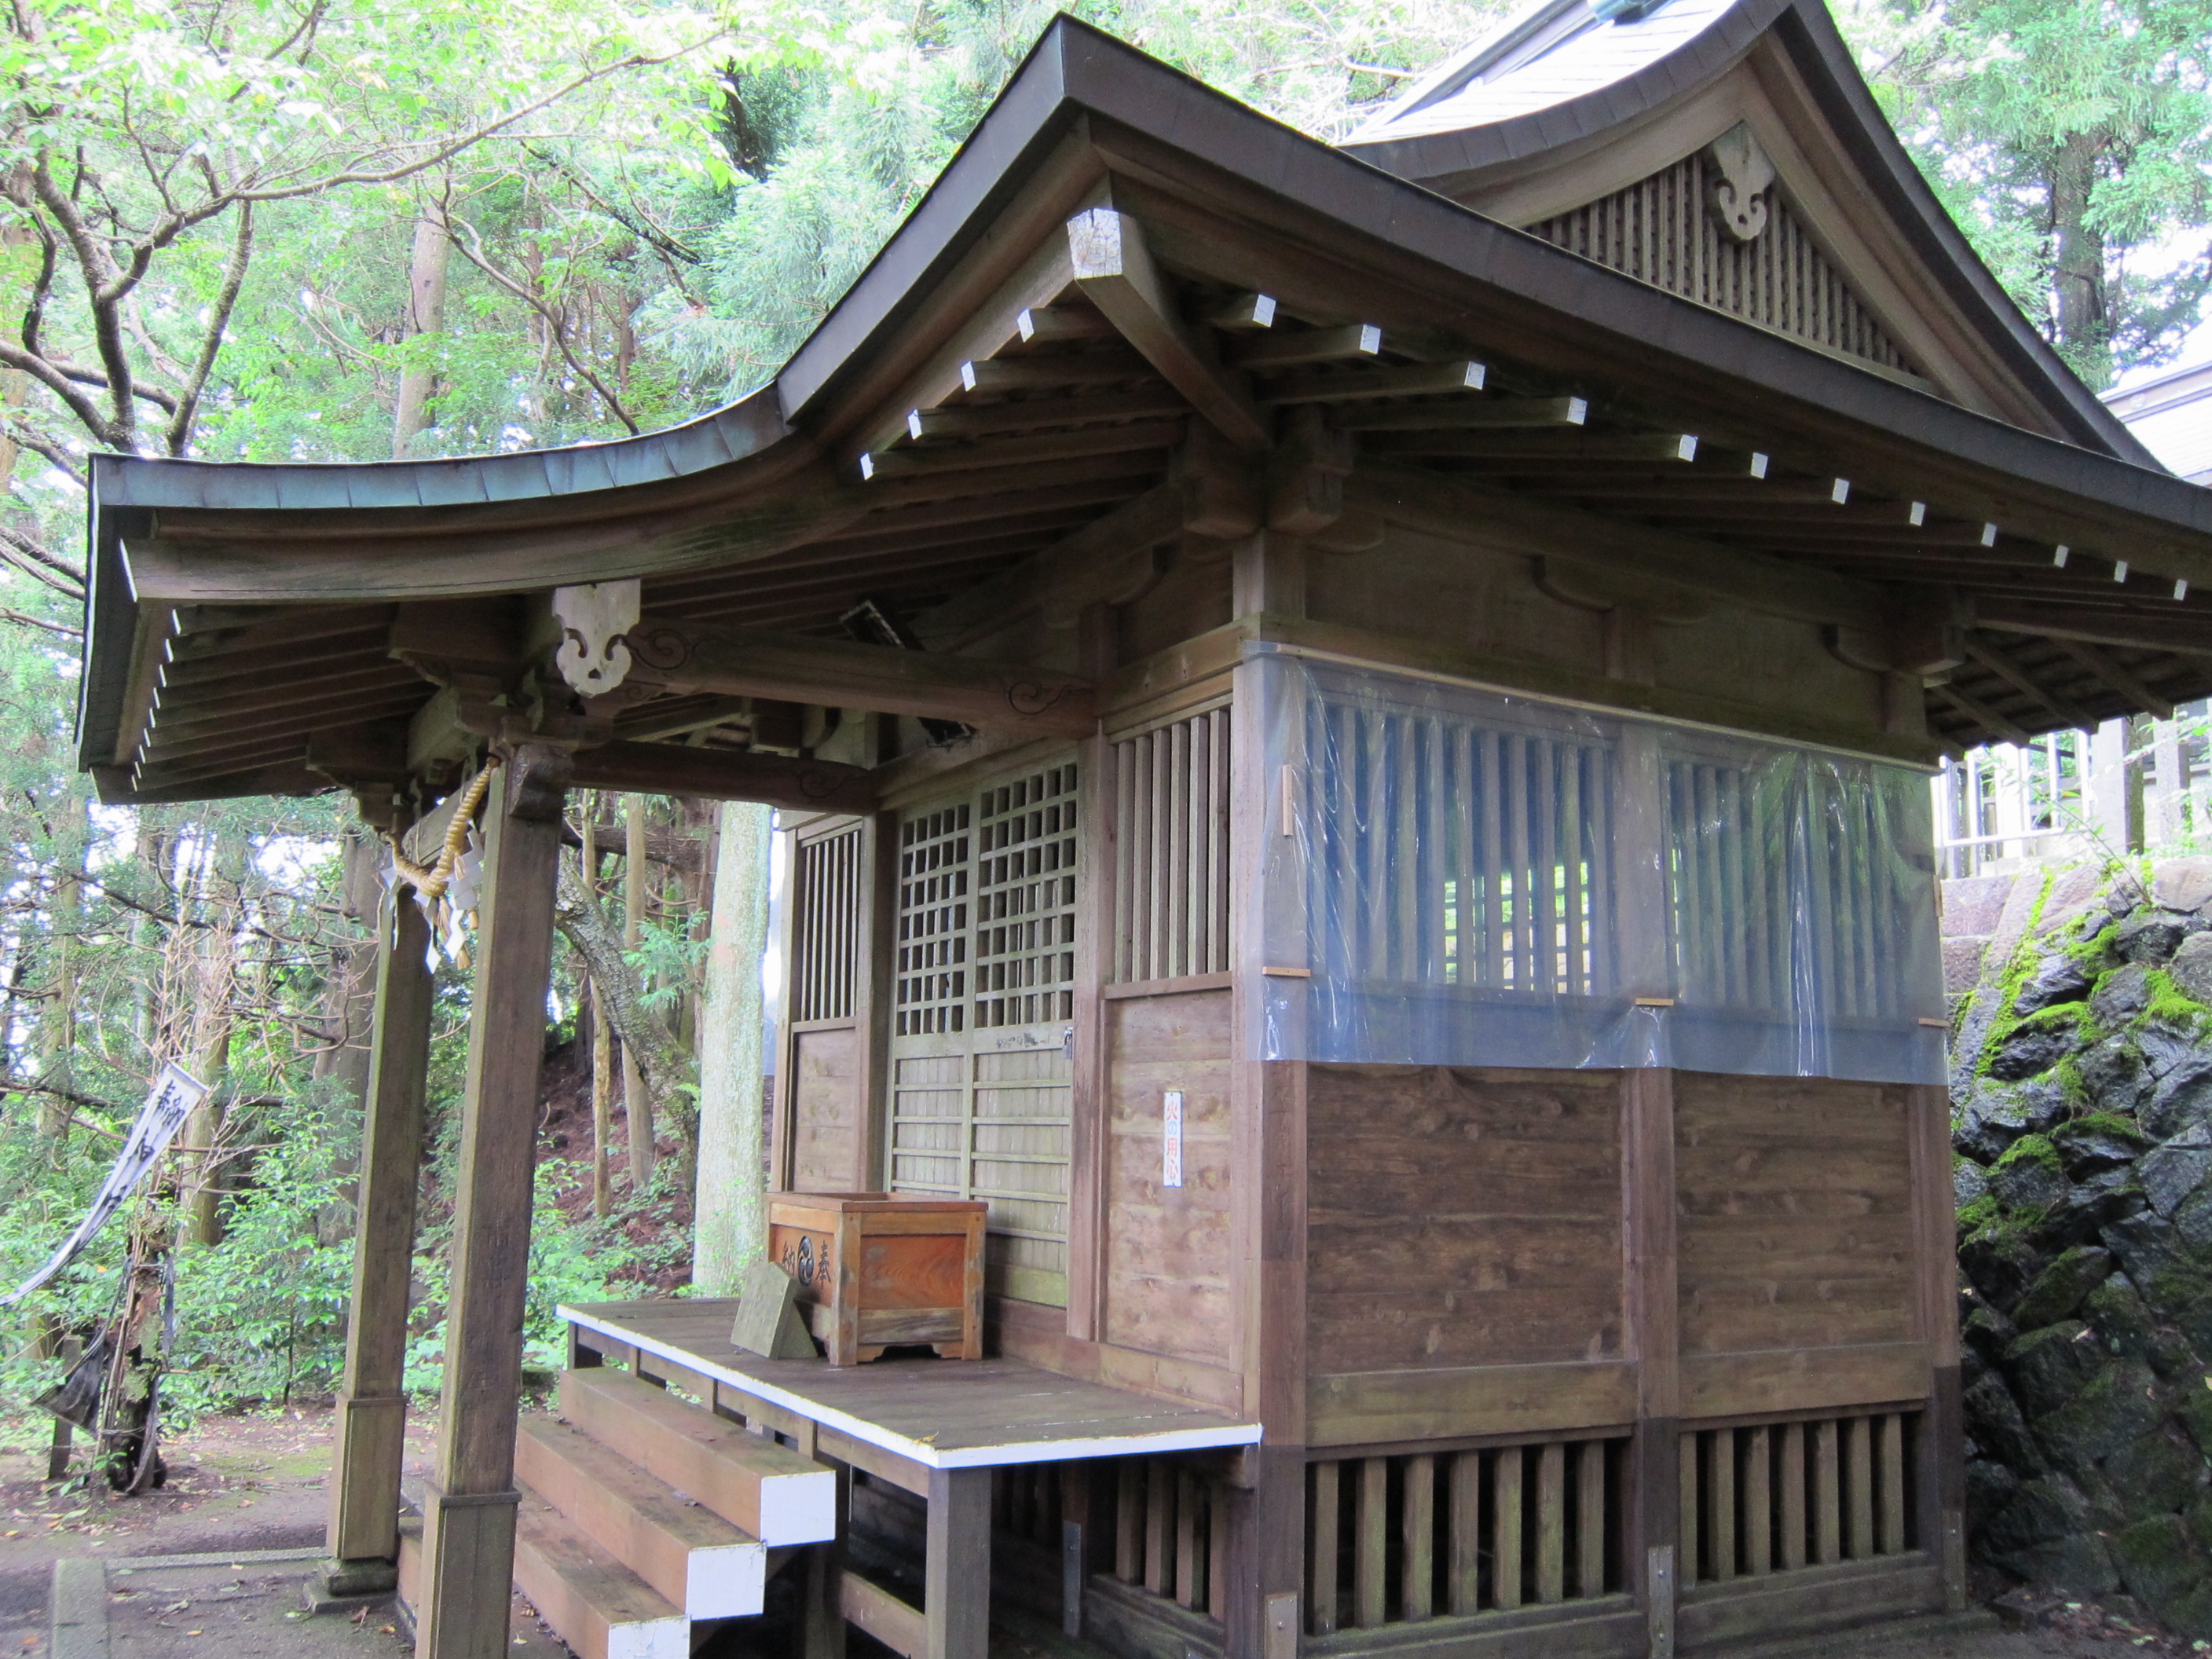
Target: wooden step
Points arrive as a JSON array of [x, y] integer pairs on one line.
[[764, 1489], [596, 1605], [683, 1549]]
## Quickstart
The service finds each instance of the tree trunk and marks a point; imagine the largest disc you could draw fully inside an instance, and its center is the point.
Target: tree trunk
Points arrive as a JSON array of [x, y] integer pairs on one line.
[[215, 1021], [603, 1042], [637, 1103], [56, 1029], [349, 1008], [2083, 319], [426, 314], [665, 1070], [730, 1221]]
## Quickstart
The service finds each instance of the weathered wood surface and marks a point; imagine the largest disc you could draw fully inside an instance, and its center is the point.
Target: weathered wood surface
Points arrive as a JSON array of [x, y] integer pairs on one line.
[[770, 1492], [372, 1405], [1796, 1214], [691, 659], [1167, 1248], [1812, 1599], [941, 1413], [1363, 1408], [1457, 1218], [468, 1537], [672, 768], [600, 1607], [825, 1129], [688, 1553]]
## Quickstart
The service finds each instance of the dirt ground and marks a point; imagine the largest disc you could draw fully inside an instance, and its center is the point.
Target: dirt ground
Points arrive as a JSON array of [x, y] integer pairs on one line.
[[258, 1483]]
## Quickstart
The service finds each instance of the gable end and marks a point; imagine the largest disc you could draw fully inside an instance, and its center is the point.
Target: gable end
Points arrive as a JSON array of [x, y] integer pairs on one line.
[[1671, 230]]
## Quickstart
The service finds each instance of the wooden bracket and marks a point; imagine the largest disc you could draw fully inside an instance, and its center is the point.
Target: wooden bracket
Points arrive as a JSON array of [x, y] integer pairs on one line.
[[1306, 473], [1114, 268], [536, 776]]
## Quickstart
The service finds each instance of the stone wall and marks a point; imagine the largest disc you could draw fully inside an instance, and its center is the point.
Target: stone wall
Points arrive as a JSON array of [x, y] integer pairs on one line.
[[2082, 1119]]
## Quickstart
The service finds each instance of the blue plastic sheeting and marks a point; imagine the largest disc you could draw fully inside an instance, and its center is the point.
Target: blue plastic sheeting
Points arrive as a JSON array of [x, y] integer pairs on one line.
[[1458, 877]]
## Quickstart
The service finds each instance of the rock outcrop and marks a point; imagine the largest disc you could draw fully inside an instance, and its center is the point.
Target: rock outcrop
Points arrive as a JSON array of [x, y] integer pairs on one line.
[[2082, 1123]]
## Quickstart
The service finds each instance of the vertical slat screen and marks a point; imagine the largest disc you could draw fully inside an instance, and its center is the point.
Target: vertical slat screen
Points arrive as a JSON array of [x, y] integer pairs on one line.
[[1402, 1539], [825, 909], [1171, 850], [1788, 889], [1663, 231], [1762, 1498], [1170, 1523], [1448, 853]]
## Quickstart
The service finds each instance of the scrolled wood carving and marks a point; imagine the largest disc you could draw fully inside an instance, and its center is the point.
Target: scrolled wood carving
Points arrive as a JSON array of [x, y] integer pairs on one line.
[[1738, 184], [1031, 698]]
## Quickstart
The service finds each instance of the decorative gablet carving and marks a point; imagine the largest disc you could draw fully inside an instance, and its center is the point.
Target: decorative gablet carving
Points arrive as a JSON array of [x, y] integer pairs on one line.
[[594, 618], [1739, 181]]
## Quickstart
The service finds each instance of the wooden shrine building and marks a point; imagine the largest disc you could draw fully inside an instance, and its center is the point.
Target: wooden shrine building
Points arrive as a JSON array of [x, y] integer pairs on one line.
[[1354, 722]]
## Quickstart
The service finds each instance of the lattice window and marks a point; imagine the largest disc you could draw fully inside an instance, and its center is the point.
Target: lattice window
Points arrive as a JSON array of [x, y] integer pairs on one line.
[[825, 908], [1025, 901], [981, 1076], [1171, 850], [932, 924]]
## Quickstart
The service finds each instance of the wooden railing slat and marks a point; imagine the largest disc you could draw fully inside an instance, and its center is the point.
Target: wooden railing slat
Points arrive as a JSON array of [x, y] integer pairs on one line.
[[1416, 1592], [1321, 1588], [1370, 1544]]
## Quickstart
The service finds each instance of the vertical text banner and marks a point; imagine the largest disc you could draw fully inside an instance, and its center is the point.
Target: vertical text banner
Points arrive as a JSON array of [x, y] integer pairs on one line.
[[175, 1092]]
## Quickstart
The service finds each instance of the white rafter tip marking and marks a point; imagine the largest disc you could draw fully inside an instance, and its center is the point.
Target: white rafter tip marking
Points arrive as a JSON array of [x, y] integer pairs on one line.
[[1371, 338], [2120, 571], [1758, 465], [1686, 449], [1840, 491], [2059, 554], [867, 466], [967, 377], [2181, 590], [914, 424], [1989, 535], [1578, 409], [1917, 515]]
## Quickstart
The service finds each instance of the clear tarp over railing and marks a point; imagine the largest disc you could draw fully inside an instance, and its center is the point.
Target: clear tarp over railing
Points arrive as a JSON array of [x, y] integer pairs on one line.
[[1459, 877]]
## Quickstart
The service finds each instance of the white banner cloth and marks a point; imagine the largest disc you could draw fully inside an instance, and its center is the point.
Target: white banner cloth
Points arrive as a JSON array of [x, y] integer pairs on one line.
[[175, 1092]]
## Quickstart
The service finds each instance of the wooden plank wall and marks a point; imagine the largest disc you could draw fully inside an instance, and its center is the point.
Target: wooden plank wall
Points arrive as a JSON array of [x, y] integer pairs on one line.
[[824, 1130], [1464, 1253], [1795, 1245], [1168, 1249]]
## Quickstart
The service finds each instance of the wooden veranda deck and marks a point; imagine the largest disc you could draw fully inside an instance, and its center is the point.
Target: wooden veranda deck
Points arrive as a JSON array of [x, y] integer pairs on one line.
[[935, 1428]]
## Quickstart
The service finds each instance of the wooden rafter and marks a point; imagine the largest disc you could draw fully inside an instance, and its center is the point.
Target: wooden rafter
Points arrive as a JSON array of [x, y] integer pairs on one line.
[[711, 774], [2117, 679], [1998, 663], [1114, 268]]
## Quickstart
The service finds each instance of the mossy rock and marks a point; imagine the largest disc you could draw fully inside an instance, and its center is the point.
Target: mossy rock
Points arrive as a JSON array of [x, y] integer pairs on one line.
[[2097, 1142], [2051, 1367], [2126, 1329], [2047, 1535], [2060, 1289], [2161, 1563], [2160, 1470], [2121, 1402], [1994, 1419]]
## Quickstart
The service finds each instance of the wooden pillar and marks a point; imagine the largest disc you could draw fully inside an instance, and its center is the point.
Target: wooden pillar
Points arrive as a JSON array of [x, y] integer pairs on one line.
[[1268, 1103], [371, 1408], [1097, 654], [1941, 1477], [1647, 1167], [957, 1569], [469, 1505]]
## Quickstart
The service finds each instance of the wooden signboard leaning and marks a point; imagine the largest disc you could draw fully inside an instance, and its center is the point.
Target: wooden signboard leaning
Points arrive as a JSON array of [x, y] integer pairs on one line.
[[873, 1271]]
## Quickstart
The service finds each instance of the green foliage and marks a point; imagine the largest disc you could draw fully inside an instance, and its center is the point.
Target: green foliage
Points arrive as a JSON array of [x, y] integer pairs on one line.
[[1978, 1214], [2035, 1148], [2170, 1006], [2070, 139]]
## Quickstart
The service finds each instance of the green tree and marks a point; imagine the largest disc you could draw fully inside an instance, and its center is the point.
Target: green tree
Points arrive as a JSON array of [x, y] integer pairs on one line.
[[2071, 140]]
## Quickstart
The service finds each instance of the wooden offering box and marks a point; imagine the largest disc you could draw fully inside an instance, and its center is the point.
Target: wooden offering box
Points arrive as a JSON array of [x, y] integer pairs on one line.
[[874, 1271]]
